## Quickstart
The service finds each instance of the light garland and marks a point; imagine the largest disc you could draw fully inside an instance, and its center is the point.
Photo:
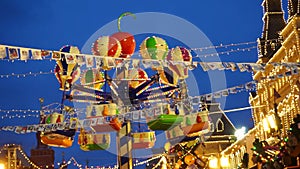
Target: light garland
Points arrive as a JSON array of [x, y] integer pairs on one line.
[[227, 52], [80, 166], [27, 158], [18, 147], [223, 46], [249, 86], [26, 74], [162, 160], [43, 54], [148, 160], [102, 57], [19, 116], [28, 110]]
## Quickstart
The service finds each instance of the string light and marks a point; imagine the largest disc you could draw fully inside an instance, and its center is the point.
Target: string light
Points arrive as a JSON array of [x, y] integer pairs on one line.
[[18, 147], [205, 55], [28, 110], [23, 75], [28, 59], [224, 46], [27, 158], [80, 165], [227, 52], [148, 160], [18, 116]]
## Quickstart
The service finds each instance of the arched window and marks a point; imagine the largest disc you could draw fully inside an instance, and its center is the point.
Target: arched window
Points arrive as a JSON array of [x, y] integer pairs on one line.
[[220, 125]]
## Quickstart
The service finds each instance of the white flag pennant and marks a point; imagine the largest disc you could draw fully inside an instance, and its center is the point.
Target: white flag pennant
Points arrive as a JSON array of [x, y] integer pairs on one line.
[[36, 54], [242, 67], [98, 62], [80, 59], [204, 66], [56, 55], [2, 52], [13, 53], [89, 61], [70, 58], [136, 63], [220, 66], [24, 54], [212, 65]]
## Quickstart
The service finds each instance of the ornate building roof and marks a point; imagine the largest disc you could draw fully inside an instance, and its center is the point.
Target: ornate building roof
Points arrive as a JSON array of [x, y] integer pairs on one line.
[[274, 22]]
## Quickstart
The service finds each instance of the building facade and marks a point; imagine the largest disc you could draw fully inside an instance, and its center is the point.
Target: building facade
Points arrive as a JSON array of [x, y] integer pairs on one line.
[[276, 99]]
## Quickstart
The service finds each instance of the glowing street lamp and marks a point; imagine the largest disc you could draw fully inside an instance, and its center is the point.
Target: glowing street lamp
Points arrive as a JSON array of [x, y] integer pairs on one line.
[[213, 163], [266, 124], [224, 162], [240, 133], [272, 122], [2, 166]]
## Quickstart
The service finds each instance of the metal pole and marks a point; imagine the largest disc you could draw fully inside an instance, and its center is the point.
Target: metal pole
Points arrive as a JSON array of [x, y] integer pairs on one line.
[[124, 139]]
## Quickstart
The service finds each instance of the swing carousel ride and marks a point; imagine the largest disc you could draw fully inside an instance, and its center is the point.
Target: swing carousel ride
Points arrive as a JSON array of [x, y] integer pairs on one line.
[[116, 93]]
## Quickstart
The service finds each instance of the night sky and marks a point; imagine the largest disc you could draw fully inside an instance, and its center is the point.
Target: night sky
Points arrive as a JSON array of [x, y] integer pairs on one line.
[[52, 24]]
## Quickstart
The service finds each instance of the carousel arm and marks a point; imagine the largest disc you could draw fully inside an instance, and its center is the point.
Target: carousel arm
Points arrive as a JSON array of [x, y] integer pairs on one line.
[[140, 89], [90, 91]]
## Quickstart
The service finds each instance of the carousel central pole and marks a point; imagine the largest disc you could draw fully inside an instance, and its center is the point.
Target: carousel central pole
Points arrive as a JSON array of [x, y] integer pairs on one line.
[[124, 139]]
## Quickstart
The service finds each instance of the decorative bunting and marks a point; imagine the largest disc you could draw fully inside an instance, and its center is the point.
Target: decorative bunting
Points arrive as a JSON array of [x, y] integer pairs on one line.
[[13, 53], [45, 53], [204, 66], [56, 55], [2, 52], [70, 59], [80, 59], [89, 61], [36, 54], [24, 54]]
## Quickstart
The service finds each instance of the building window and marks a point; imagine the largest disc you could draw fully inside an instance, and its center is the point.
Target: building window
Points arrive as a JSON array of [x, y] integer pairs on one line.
[[212, 127], [220, 125]]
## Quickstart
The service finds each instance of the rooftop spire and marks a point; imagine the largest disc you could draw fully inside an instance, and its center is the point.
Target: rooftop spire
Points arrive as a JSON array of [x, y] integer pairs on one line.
[[273, 23]]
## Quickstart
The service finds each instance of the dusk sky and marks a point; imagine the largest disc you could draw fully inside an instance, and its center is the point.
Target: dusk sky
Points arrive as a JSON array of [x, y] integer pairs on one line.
[[49, 25]]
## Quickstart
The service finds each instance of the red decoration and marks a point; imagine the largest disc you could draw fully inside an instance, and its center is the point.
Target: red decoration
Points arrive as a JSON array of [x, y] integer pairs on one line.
[[199, 119], [126, 39]]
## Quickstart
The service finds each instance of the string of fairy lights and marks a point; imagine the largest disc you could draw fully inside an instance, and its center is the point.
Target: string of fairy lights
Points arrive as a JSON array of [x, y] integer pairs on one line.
[[224, 46], [228, 52], [80, 166], [56, 107], [72, 159], [18, 147], [23, 75], [18, 116]]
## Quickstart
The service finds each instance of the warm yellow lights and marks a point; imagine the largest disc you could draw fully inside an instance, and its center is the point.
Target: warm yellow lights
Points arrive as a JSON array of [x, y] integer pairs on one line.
[[224, 162], [269, 123], [240, 133], [2, 166], [272, 122], [213, 163], [266, 124]]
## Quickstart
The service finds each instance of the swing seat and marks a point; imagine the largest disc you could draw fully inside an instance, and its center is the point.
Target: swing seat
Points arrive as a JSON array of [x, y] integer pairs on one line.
[[113, 125], [92, 147], [187, 130], [143, 140], [57, 140], [165, 122], [91, 142]]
